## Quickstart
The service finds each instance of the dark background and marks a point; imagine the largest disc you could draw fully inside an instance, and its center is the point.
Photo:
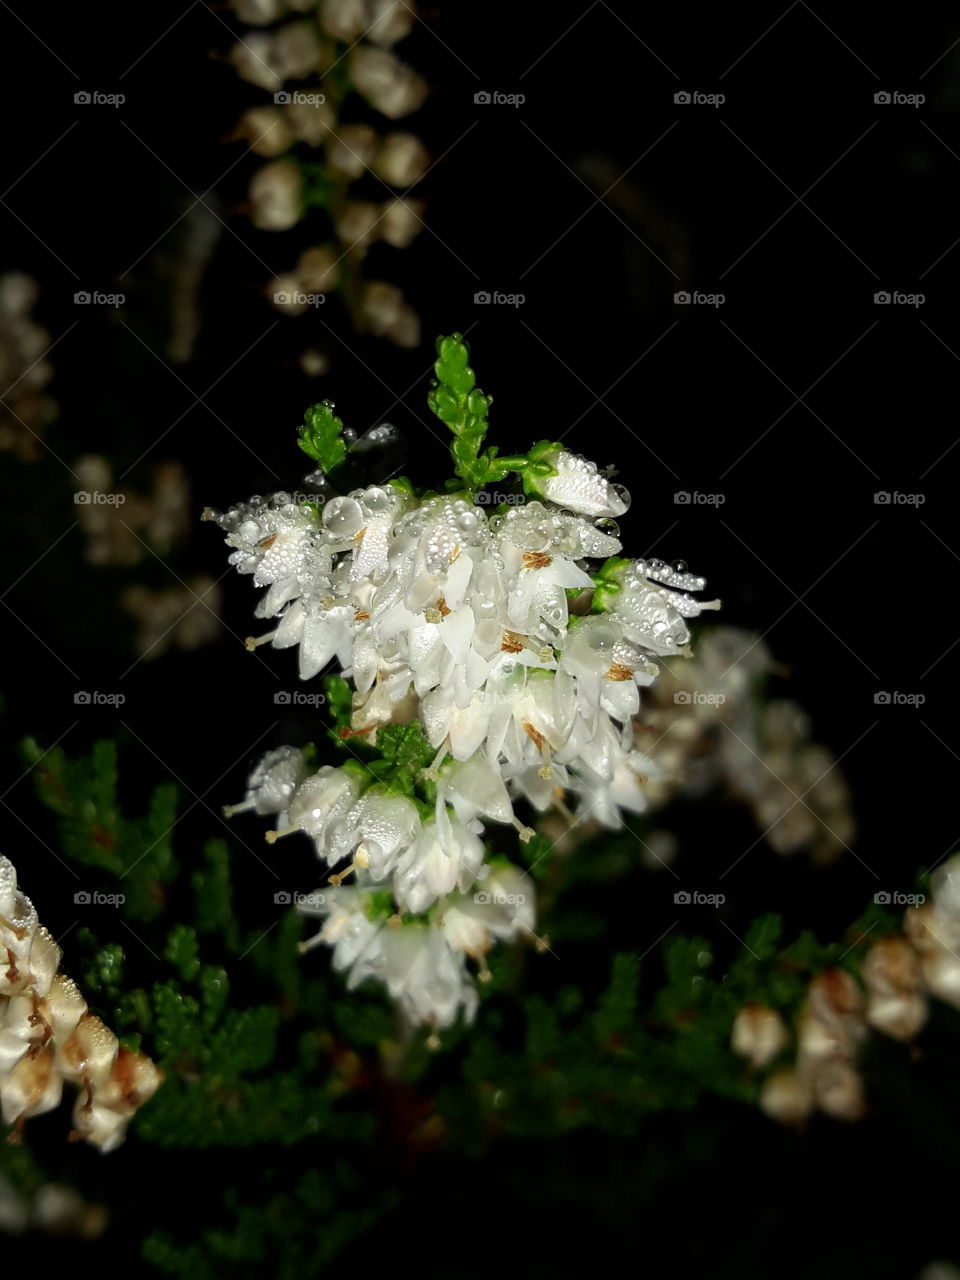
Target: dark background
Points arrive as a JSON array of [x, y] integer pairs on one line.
[[598, 198]]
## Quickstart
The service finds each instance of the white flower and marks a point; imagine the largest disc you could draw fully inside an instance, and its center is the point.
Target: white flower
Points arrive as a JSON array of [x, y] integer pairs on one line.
[[319, 806], [500, 911], [384, 827], [579, 486], [442, 859], [426, 977], [272, 783], [652, 605]]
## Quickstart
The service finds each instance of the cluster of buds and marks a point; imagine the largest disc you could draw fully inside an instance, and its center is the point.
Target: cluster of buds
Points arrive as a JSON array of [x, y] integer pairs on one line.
[[48, 1036], [460, 618], [898, 974], [184, 617], [305, 43], [710, 730], [122, 527], [24, 372]]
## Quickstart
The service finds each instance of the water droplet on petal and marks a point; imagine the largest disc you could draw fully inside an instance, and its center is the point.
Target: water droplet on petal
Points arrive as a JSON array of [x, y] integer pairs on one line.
[[343, 516]]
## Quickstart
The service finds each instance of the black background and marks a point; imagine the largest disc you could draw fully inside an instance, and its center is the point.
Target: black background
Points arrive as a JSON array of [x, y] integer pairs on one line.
[[598, 198]]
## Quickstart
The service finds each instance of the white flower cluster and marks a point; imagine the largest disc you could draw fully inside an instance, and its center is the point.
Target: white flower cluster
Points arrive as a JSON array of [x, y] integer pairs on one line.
[[48, 1036], [899, 974], [441, 613]]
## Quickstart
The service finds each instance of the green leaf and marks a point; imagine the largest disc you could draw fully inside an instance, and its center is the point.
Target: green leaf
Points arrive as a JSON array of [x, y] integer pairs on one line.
[[321, 436], [183, 952]]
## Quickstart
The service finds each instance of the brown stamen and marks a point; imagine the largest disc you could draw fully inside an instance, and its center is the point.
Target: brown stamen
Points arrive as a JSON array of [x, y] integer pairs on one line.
[[267, 542], [358, 536], [534, 735], [536, 560], [619, 672], [442, 607], [361, 615], [512, 642]]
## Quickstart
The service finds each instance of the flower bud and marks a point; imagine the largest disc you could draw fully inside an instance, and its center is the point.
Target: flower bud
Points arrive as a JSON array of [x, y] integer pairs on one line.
[[265, 130], [254, 60], [344, 20], [287, 294], [786, 1098], [401, 159], [317, 270], [838, 1090], [351, 150], [297, 50], [310, 123], [896, 1004], [401, 222], [833, 1022], [387, 83], [358, 225], [276, 194], [259, 13], [389, 21], [758, 1034]]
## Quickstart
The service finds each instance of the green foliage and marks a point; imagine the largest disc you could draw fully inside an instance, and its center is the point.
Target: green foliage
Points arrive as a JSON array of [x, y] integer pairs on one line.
[[321, 436], [136, 854], [263, 1050], [462, 407], [339, 702], [606, 582], [213, 894]]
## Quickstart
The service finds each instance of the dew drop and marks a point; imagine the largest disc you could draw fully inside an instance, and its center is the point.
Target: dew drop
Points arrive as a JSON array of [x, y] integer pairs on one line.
[[602, 639], [376, 501], [343, 516]]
